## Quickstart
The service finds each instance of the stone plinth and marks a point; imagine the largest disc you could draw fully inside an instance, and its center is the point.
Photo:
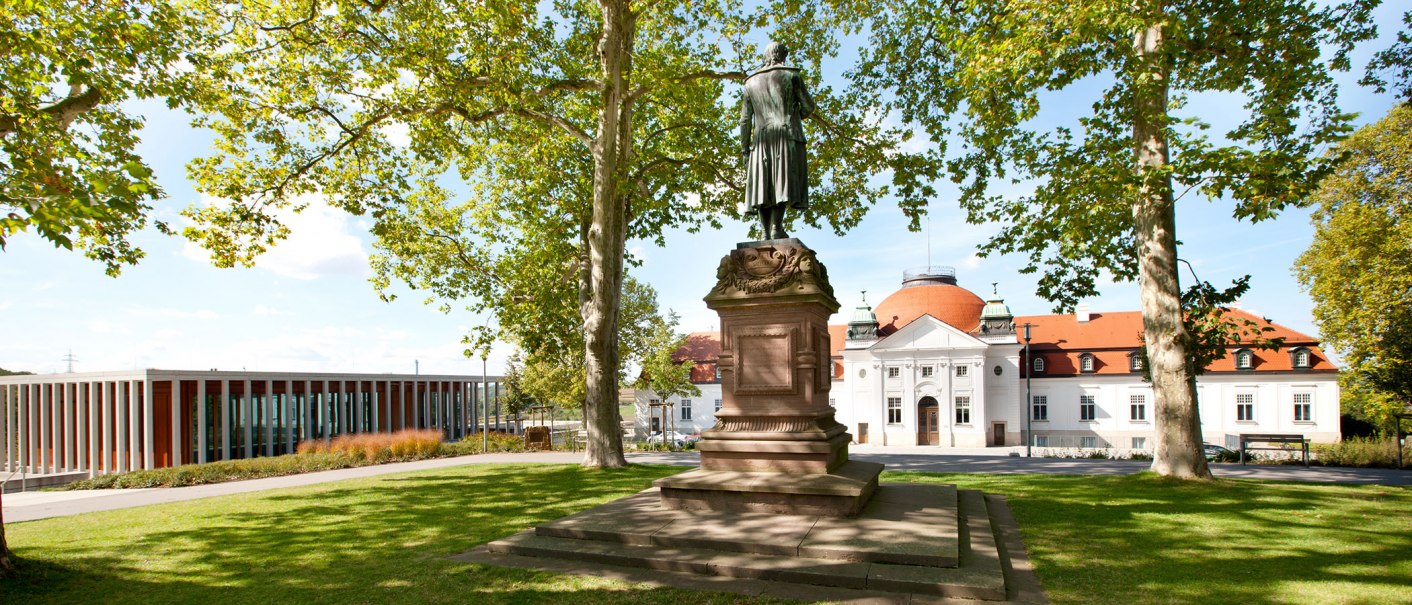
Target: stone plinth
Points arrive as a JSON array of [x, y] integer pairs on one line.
[[776, 445]]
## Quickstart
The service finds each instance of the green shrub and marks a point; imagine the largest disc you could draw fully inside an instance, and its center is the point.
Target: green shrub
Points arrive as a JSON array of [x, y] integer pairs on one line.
[[1364, 452]]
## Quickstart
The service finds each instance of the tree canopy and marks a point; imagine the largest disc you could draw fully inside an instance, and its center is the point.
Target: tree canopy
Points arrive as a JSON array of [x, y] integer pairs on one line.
[[1097, 196], [1358, 269], [550, 131], [69, 170]]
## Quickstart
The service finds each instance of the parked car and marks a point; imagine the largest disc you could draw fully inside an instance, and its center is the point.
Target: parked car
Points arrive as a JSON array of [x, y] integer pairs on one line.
[[673, 437], [1216, 453]]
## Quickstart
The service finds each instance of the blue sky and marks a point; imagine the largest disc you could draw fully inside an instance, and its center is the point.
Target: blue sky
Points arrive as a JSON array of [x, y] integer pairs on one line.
[[307, 304]]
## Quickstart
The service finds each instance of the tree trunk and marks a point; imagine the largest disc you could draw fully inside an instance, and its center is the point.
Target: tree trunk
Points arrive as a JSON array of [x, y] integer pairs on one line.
[[1178, 451], [7, 560], [606, 240]]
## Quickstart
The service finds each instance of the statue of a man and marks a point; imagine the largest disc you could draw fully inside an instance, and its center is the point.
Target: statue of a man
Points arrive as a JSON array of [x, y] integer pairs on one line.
[[772, 140]]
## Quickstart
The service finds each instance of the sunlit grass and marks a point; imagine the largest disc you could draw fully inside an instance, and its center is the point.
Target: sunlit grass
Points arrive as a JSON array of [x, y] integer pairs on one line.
[[1146, 539], [1123, 539]]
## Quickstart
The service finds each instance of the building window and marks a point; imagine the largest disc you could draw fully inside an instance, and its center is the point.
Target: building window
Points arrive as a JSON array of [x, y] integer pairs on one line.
[[963, 409], [1303, 407], [1300, 358], [1041, 440], [1086, 363], [1087, 409], [718, 372], [718, 405], [1137, 408], [1245, 407], [1038, 365], [894, 410], [686, 409], [833, 403], [1088, 443], [927, 372], [1040, 407], [893, 372], [1245, 359], [1135, 361], [962, 371], [1139, 443]]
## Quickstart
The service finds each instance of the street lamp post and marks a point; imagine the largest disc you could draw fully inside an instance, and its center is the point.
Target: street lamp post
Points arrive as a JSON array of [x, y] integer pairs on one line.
[[1029, 413]]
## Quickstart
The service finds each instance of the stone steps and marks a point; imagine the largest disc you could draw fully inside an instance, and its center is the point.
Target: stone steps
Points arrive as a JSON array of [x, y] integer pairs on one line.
[[845, 553]]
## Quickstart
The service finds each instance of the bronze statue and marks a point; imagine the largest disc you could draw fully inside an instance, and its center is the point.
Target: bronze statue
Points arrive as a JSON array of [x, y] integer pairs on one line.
[[776, 171]]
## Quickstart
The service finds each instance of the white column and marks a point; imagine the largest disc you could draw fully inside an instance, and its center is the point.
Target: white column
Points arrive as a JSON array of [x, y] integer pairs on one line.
[[25, 419], [122, 426], [224, 407], [149, 425], [59, 395], [416, 404], [269, 416], [402, 404], [202, 417], [105, 401], [46, 429], [5, 422], [247, 409], [290, 409], [83, 426], [178, 406]]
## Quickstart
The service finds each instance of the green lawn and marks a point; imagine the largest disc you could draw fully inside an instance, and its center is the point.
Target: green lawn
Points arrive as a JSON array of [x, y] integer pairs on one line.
[[1132, 539]]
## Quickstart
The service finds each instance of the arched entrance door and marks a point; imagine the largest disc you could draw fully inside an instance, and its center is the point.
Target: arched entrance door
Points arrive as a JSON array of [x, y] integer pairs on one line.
[[928, 422]]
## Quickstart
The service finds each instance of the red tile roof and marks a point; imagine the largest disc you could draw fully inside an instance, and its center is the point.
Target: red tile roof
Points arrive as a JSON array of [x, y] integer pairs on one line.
[[1109, 337], [1061, 339]]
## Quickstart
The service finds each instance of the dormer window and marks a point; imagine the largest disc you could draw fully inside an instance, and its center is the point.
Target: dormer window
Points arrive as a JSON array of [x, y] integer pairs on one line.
[[1038, 365], [1087, 363], [1135, 361], [1301, 358], [1244, 359]]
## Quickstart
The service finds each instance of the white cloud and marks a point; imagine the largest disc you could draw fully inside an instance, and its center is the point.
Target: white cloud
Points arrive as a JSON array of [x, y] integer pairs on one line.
[[269, 311], [397, 133], [322, 241]]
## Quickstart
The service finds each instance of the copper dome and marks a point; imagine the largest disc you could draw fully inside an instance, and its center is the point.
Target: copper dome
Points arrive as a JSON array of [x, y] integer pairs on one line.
[[931, 291]]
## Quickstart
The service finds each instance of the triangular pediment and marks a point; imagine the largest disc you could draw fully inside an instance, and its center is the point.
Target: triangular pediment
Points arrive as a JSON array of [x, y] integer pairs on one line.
[[927, 333]]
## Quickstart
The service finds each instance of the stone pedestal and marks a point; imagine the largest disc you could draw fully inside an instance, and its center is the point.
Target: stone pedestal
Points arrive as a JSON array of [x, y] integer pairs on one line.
[[776, 446]]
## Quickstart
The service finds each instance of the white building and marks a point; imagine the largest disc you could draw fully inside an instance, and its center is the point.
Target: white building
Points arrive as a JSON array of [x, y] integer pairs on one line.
[[950, 369]]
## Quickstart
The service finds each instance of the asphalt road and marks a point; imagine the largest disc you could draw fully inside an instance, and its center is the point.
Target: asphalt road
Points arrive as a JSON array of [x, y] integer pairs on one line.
[[19, 507]]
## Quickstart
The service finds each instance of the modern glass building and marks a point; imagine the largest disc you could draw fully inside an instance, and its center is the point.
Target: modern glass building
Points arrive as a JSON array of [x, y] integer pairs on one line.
[[105, 422]]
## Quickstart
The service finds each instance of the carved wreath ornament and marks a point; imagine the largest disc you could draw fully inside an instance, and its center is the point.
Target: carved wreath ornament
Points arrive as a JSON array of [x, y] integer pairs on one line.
[[770, 269]]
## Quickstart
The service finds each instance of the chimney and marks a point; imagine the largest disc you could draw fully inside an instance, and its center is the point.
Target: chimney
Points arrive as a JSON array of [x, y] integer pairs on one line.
[[1081, 313]]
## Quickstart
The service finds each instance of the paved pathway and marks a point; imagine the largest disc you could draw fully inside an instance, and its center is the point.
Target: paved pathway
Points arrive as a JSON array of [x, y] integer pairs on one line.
[[39, 505]]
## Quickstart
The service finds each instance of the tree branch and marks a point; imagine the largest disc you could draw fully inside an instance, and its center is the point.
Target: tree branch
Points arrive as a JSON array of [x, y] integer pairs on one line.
[[81, 99], [734, 76]]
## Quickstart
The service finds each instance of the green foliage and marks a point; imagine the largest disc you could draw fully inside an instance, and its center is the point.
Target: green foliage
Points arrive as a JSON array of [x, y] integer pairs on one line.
[[982, 72], [1358, 270], [344, 451], [506, 151], [515, 399], [68, 163], [1364, 401], [4, 372], [221, 471], [662, 372], [1361, 453]]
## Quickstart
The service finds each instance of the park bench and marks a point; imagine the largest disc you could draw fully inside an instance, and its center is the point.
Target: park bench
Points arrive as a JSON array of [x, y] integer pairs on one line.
[[1272, 442]]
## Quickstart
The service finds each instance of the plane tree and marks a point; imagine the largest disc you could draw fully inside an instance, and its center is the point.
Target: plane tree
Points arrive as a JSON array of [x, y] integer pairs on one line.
[[1095, 197], [565, 128]]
